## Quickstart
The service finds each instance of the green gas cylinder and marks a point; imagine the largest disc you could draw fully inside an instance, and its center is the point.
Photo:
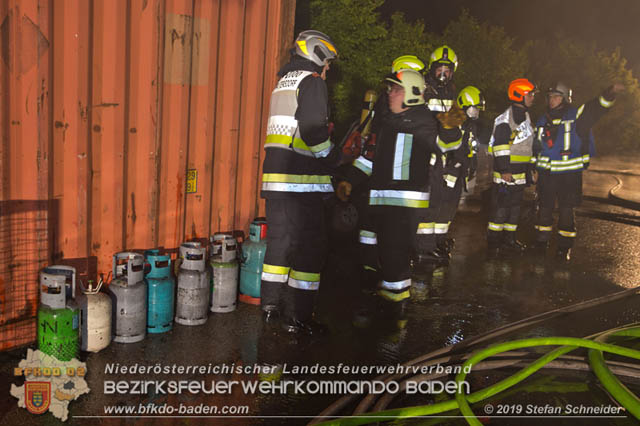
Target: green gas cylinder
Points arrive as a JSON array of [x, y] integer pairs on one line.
[[58, 331]]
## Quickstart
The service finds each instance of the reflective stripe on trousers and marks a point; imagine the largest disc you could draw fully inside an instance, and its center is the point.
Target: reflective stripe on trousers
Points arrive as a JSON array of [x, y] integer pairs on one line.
[[304, 280]]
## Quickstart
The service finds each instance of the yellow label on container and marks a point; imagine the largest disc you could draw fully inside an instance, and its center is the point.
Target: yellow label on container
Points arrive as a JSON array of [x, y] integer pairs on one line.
[[192, 181]]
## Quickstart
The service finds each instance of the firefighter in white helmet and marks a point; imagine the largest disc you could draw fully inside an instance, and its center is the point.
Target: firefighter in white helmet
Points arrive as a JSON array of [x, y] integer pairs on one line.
[[565, 144], [398, 180]]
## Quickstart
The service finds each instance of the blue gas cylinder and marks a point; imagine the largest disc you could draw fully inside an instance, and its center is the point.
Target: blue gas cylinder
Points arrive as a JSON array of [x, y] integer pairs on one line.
[[253, 251], [161, 290]]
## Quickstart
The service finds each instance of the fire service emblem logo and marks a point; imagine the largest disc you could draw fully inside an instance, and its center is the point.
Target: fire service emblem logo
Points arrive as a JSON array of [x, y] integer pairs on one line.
[[37, 396]]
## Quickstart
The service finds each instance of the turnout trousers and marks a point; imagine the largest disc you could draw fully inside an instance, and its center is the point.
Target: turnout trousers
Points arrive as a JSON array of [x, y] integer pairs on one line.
[[434, 222], [386, 241], [505, 213], [296, 252], [566, 188]]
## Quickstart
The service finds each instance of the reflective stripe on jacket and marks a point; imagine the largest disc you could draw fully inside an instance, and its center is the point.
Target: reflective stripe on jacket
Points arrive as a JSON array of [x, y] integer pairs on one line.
[[518, 150], [291, 164], [566, 153]]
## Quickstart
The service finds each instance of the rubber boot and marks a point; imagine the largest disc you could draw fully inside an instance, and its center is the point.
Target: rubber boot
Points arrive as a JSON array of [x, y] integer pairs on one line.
[[540, 247], [511, 245], [299, 318], [563, 254], [393, 312]]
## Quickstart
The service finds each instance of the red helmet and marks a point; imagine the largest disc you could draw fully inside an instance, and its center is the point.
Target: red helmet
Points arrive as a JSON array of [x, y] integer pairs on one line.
[[520, 87]]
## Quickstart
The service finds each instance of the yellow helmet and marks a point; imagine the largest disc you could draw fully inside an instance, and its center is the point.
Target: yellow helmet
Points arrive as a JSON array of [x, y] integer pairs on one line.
[[444, 55], [471, 96], [407, 62]]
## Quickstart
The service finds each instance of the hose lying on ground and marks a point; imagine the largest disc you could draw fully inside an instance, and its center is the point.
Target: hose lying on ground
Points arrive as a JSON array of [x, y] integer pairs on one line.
[[369, 400], [618, 391]]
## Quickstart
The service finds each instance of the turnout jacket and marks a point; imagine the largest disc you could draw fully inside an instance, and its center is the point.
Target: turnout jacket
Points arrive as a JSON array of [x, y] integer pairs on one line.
[[398, 175], [449, 161], [511, 145], [299, 156], [439, 98], [564, 141]]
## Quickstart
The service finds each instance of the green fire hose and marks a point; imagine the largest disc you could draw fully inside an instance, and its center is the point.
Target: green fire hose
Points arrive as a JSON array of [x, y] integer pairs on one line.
[[567, 344]]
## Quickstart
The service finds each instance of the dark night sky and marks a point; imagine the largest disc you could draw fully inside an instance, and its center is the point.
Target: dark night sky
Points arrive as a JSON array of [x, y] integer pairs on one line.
[[609, 23]]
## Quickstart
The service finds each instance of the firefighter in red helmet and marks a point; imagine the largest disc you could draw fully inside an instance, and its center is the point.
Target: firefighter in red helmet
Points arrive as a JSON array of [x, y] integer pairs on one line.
[[511, 145]]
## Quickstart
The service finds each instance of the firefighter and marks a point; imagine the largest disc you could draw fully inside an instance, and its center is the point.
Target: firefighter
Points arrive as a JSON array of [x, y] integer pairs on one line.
[[511, 145], [566, 143], [398, 180], [297, 171], [471, 101], [368, 247], [432, 242]]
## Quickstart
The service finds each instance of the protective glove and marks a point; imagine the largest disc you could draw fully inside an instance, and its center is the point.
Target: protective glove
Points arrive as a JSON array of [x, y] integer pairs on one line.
[[611, 91], [369, 149], [452, 118], [343, 191], [353, 145]]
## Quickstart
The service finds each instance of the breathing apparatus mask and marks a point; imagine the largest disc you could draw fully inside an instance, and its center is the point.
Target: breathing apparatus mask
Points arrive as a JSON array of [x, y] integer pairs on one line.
[[473, 112]]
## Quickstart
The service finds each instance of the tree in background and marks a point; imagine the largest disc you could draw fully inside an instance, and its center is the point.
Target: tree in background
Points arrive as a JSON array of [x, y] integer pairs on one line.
[[488, 59], [588, 72]]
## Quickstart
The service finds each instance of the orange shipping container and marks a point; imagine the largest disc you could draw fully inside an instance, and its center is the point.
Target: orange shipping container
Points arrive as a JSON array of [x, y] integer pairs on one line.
[[127, 124]]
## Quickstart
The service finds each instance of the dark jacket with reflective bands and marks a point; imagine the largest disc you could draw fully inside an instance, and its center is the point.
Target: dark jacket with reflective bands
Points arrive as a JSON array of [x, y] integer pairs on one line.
[[399, 172], [300, 158], [563, 138]]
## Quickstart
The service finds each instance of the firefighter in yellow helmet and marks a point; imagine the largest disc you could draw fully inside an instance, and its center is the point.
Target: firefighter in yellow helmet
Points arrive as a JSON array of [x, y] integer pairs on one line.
[[471, 101], [297, 168], [398, 180], [433, 246], [368, 253]]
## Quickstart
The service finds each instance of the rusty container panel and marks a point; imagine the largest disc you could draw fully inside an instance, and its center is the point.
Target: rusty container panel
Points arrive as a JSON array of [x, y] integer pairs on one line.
[[70, 130], [143, 131], [206, 38], [108, 137], [249, 147], [127, 125], [227, 126]]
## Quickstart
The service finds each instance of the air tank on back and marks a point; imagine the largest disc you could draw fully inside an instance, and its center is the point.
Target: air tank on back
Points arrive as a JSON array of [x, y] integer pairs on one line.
[[252, 258], [58, 315], [129, 298], [192, 294], [224, 266], [161, 291], [95, 317]]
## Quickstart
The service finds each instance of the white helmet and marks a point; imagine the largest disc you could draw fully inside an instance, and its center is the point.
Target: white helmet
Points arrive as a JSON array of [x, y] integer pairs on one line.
[[316, 47], [561, 89], [413, 84]]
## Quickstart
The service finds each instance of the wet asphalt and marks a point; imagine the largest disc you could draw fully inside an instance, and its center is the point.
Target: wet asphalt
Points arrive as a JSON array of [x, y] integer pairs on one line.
[[471, 296]]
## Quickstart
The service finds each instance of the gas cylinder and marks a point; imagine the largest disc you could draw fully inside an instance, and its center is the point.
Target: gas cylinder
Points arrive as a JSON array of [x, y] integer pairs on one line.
[[95, 317], [129, 298], [58, 320], [192, 295], [161, 288], [253, 251], [224, 265], [69, 272]]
